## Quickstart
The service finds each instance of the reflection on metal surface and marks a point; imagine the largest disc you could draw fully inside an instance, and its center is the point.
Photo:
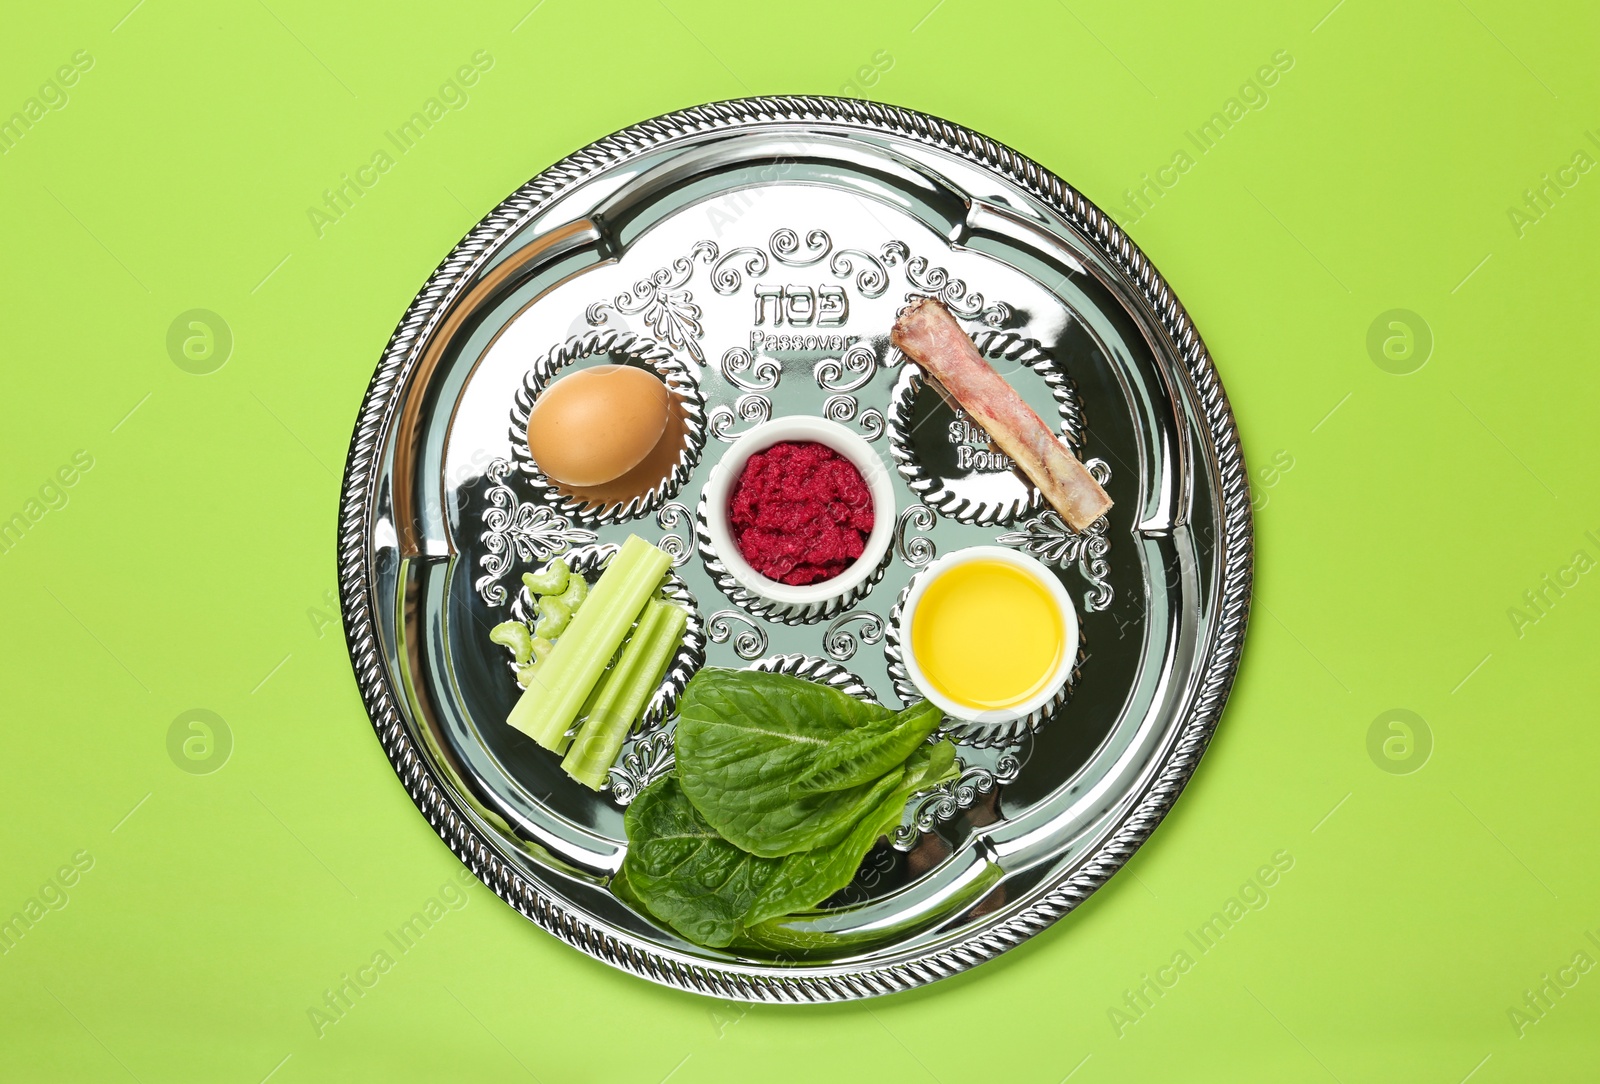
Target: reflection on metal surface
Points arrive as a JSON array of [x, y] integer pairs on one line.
[[460, 296]]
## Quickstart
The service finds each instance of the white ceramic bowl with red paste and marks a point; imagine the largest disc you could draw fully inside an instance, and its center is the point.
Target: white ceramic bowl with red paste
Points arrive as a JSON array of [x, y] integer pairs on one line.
[[800, 428]]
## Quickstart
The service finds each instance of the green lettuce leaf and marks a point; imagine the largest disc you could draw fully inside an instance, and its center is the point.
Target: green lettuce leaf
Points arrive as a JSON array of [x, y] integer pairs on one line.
[[778, 765], [864, 753], [807, 878], [680, 871], [683, 872]]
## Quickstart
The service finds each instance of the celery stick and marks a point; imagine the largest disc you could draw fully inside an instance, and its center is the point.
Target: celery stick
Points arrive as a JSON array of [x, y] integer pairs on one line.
[[610, 674], [599, 713], [594, 695], [563, 682], [634, 680]]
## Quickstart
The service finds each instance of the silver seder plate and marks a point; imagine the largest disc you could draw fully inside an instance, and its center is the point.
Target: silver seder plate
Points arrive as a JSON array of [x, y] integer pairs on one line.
[[755, 253]]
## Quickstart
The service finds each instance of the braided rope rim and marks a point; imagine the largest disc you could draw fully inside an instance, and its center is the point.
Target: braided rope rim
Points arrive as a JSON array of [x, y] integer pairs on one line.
[[445, 286]]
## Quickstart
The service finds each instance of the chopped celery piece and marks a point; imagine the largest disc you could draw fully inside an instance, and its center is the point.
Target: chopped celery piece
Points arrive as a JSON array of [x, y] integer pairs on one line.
[[551, 703], [624, 693], [577, 590], [553, 617], [514, 636], [549, 582], [539, 649]]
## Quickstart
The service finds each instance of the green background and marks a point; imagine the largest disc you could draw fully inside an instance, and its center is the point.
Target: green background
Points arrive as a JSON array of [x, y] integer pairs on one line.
[[1400, 519]]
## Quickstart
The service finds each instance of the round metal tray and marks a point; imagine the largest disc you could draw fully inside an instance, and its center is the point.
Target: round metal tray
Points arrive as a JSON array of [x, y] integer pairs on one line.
[[755, 253]]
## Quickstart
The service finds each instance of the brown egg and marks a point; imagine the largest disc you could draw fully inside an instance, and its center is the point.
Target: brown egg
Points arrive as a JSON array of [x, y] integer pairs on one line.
[[595, 425]]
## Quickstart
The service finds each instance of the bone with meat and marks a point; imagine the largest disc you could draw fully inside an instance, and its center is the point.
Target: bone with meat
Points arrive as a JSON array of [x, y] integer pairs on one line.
[[930, 336]]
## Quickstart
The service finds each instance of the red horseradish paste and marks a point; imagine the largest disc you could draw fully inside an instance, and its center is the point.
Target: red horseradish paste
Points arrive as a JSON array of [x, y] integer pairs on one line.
[[800, 512]]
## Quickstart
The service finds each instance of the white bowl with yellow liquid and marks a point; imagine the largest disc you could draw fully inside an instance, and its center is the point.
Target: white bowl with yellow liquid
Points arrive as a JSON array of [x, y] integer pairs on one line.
[[988, 634]]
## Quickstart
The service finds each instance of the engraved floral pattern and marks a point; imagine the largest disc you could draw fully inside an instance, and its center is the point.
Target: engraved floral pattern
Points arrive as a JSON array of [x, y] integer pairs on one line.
[[914, 549], [649, 759], [1047, 537], [943, 802], [748, 407], [860, 360], [667, 307], [840, 643], [737, 361], [518, 531], [871, 280], [750, 643], [668, 516], [727, 274], [938, 282], [845, 408], [789, 248]]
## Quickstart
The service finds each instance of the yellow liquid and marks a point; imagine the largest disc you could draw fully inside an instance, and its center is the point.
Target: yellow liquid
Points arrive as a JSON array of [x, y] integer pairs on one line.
[[987, 634]]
